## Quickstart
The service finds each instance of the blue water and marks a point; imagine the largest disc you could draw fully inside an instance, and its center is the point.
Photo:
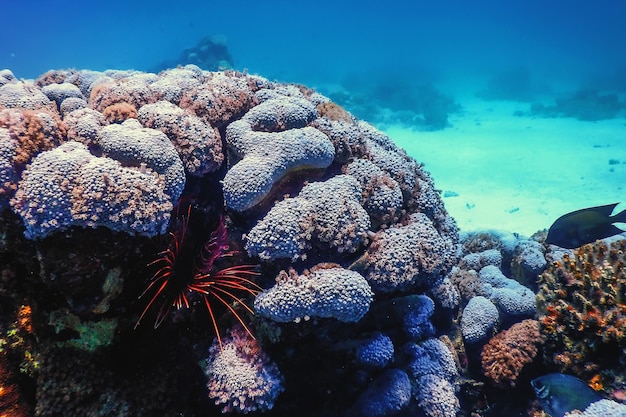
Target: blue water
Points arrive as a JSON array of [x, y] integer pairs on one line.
[[326, 42]]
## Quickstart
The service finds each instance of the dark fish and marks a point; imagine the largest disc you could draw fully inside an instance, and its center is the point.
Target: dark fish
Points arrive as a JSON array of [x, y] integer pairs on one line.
[[585, 226], [559, 394]]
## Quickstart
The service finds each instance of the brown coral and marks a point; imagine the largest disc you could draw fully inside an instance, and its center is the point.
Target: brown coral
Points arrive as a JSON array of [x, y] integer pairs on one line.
[[582, 306], [223, 98], [510, 351], [118, 112], [334, 112], [33, 130], [134, 90]]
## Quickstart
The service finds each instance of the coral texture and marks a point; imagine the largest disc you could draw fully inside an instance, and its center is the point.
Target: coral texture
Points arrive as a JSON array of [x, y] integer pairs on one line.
[[68, 186], [385, 396], [507, 353], [334, 292], [328, 212], [408, 256], [198, 144], [479, 317], [376, 352], [582, 310], [269, 142], [241, 376]]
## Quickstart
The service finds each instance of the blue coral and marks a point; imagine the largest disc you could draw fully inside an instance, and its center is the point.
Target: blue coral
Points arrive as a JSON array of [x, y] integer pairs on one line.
[[376, 352], [385, 396], [431, 357], [335, 292]]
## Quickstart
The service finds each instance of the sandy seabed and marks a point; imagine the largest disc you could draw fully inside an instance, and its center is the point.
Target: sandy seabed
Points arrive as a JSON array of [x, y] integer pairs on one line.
[[519, 173]]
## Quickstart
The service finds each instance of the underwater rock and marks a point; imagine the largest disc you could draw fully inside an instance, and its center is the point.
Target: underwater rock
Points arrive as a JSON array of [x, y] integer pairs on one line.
[[129, 151]]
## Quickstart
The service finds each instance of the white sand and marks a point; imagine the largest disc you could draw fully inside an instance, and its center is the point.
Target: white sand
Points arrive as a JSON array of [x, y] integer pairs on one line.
[[519, 173]]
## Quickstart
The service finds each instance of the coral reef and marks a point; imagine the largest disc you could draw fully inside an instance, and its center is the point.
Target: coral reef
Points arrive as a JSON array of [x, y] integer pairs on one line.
[[582, 311], [376, 352], [241, 376], [602, 408], [268, 143], [506, 355], [198, 144], [479, 318], [385, 396], [110, 162]]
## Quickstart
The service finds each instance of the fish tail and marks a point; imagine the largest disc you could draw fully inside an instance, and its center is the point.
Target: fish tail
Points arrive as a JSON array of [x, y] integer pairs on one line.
[[619, 217]]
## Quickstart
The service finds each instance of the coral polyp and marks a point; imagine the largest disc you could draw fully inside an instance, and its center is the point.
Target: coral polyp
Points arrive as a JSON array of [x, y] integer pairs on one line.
[[582, 305], [185, 277]]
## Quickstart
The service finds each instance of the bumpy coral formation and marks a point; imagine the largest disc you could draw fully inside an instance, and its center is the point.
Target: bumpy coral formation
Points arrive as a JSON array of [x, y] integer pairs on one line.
[[411, 255], [68, 186], [385, 396], [582, 305], [241, 376], [479, 318], [376, 351], [268, 143], [324, 292], [198, 144], [507, 353], [316, 214]]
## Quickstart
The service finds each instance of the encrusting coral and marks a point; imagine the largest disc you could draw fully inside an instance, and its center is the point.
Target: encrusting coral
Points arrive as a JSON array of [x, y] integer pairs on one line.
[[582, 311]]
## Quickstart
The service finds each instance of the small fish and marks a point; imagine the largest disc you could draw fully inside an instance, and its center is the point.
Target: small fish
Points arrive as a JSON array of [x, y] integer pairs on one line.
[[585, 226], [559, 394]]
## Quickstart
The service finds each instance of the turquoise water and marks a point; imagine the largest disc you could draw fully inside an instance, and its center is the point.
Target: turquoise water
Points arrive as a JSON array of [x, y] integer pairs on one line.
[[326, 42]]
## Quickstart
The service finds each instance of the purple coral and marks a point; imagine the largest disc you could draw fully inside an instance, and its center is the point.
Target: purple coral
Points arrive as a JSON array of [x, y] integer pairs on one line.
[[334, 292], [241, 376]]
